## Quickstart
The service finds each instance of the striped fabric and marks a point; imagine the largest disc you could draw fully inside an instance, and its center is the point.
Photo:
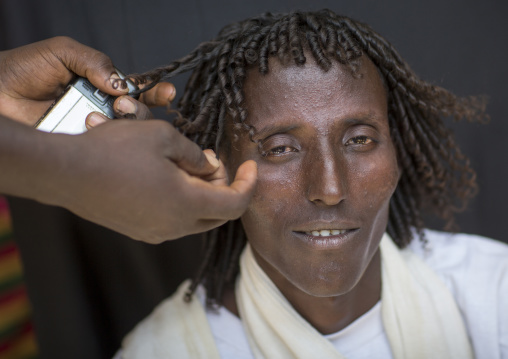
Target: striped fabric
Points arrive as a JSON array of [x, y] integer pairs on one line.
[[17, 340]]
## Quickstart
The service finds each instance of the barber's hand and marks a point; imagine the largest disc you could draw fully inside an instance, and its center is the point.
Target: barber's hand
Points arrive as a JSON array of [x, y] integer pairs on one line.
[[142, 179], [32, 76], [180, 189], [127, 107], [147, 182]]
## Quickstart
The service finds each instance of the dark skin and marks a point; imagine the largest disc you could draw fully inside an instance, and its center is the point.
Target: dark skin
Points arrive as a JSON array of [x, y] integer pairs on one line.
[[142, 179], [327, 170]]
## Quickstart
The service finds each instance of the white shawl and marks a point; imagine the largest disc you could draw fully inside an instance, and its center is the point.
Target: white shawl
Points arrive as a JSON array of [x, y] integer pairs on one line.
[[419, 313]]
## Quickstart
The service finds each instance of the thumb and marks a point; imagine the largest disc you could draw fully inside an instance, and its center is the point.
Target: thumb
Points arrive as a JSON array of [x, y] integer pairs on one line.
[[229, 202], [245, 179], [90, 63]]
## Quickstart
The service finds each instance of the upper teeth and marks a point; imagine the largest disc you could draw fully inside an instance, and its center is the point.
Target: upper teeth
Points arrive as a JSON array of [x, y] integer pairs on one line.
[[327, 232]]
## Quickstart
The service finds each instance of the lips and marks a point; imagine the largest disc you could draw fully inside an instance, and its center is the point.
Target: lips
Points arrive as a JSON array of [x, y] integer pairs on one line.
[[326, 239], [326, 232], [325, 228]]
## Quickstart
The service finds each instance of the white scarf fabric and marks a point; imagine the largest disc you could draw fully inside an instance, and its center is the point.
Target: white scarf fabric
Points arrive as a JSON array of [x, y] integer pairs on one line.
[[175, 329], [419, 313]]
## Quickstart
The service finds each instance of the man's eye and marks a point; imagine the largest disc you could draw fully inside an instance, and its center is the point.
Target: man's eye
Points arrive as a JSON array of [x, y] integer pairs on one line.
[[279, 150], [359, 140]]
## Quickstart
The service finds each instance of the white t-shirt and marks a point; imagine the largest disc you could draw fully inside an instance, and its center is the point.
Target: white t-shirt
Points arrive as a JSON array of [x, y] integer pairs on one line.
[[474, 268]]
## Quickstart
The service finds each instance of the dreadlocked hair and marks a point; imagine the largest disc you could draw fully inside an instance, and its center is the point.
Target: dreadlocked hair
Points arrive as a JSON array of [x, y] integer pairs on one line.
[[436, 177]]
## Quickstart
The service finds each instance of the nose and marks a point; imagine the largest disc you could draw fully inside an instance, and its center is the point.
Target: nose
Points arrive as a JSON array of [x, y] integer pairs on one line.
[[326, 179]]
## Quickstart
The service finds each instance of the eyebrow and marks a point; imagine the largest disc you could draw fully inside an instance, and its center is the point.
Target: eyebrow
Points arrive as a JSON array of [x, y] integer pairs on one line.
[[368, 119], [273, 129]]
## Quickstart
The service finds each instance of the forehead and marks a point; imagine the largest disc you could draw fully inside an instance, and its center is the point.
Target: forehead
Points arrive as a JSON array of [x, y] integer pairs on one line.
[[304, 92]]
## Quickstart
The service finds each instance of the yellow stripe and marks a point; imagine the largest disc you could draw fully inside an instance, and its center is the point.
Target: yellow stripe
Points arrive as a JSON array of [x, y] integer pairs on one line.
[[5, 222], [22, 347], [10, 266], [13, 312]]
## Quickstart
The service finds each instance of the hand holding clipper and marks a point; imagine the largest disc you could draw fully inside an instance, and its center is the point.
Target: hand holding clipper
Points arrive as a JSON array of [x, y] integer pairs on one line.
[[68, 113]]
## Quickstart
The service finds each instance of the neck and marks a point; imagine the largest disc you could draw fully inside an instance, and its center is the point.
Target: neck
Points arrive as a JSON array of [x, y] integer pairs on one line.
[[330, 314]]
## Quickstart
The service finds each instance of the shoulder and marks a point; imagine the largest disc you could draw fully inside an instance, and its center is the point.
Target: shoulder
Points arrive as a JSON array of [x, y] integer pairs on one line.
[[475, 269], [458, 251], [148, 334], [174, 329], [470, 265]]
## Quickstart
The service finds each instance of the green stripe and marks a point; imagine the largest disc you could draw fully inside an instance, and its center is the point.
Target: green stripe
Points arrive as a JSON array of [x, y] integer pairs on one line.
[[33, 356], [11, 283], [5, 237], [14, 329]]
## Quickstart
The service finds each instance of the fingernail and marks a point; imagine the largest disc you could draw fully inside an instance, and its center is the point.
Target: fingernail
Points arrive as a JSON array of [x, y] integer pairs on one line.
[[94, 119], [117, 83], [172, 94], [125, 106], [210, 156]]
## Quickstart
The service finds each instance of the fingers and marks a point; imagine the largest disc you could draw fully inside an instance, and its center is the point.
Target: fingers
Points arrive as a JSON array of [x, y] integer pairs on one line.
[[89, 63], [188, 156], [124, 107], [245, 179], [161, 95], [95, 119], [225, 203], [176, 147], [127, 107], [220, 176], [98, 68]]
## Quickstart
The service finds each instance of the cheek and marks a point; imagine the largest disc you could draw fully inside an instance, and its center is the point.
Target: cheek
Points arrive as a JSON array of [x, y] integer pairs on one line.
[[276, 202], [375, 180], [274, 195]]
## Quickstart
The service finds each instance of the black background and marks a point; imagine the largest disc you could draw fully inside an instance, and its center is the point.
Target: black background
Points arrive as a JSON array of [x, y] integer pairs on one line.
[[89, 286]]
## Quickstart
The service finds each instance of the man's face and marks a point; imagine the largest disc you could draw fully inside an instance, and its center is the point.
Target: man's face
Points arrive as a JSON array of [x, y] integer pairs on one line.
[[327, 168]]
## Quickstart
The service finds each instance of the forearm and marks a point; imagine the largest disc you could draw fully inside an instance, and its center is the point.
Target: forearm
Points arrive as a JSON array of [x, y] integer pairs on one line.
[[138, 178], [32, 163]]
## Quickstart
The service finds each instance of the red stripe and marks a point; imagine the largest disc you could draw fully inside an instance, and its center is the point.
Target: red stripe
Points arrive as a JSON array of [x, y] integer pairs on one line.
[[27, 328], [8, 249], [4, 206], [13, 295]]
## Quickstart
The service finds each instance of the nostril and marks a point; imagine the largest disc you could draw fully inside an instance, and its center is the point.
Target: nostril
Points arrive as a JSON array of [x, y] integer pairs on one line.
[[325, 182], [327, 193]]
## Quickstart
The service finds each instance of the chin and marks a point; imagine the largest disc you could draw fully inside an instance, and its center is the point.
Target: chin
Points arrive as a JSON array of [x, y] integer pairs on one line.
[[329, 281]]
